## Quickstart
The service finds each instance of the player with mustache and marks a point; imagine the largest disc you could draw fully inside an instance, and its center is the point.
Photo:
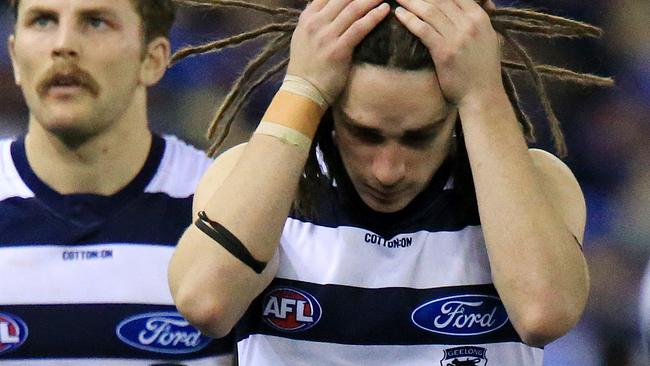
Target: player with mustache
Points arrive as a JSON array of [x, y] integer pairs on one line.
[[92, 201]]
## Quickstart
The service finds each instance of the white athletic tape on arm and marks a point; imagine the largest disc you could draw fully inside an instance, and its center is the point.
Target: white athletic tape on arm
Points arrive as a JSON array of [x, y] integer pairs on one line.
[[297, 85], [286, 134]]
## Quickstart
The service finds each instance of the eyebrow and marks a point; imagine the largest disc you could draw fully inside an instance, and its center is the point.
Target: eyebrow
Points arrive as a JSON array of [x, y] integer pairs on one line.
[[424, 130], [89, 12], [100, 10], [39, 10]]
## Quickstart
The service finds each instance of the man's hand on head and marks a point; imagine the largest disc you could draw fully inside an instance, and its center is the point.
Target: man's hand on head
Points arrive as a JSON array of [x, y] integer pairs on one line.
[[325, 38], [462, 42]]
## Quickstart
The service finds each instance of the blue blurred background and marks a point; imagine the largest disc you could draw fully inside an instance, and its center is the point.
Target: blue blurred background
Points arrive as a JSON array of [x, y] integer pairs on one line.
[[607, 134]]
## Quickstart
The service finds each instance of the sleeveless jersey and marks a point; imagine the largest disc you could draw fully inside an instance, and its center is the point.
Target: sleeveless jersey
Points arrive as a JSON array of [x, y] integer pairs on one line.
[[83, 277], [355, 287]]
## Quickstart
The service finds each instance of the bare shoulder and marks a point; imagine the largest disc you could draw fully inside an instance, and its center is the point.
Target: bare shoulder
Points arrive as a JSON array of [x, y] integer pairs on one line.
[[562, 189], [554, 172], [549, 163], [215, 175]]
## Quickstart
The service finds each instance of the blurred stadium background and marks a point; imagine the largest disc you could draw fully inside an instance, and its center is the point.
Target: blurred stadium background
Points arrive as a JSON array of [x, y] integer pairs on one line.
[[607, 133]]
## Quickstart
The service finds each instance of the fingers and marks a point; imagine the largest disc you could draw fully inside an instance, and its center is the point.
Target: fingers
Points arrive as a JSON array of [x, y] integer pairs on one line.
[[333, 8], [448, 18], [352, 13], [471, 7], [467, 5], [489, 6], [423, 30], [356, 32], [451, 9], [430, 13], [317, 5]]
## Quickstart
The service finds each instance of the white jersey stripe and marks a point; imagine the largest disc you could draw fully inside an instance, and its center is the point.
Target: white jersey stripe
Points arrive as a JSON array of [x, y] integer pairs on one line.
[[433, 259], [11, 185], [207, 361], [268, 351], [180, 170], [53, 273]]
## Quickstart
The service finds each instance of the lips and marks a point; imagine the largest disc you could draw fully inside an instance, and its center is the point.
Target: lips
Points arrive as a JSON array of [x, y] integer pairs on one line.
[[383, 196], [384, 201], [65, 81], [63, 86]]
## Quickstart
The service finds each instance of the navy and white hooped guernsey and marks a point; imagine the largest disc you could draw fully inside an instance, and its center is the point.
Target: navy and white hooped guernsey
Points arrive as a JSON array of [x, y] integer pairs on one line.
[[355, 287], [83, 278]]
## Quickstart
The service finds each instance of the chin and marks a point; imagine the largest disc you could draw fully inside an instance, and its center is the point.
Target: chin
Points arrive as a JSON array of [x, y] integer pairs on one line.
[[72, 131], [389, 207], [67, 121]]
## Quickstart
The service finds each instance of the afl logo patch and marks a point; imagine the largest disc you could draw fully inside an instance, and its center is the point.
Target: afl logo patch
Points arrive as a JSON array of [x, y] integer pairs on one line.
[[291, 310], [461, 315], [163, 332], [13, 332]]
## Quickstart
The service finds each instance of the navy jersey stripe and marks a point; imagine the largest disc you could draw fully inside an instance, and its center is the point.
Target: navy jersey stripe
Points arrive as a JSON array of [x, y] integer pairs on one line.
[[28, 222], [444, 214], [93, 330], [351, 315], [436, 208], [106, 205]]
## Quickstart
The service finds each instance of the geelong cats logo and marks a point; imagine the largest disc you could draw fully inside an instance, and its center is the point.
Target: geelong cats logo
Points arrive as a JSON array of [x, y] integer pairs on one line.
[[464, 356]]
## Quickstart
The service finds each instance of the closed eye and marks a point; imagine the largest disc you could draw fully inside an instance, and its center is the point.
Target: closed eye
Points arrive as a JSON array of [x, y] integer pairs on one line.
[[366, 135], [420, 139]]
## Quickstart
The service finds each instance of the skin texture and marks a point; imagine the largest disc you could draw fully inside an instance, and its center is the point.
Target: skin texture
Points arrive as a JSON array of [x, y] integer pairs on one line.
[[327, 33], [462, 43], [537, 268], [531, 208], [84, 70], [389, 155]]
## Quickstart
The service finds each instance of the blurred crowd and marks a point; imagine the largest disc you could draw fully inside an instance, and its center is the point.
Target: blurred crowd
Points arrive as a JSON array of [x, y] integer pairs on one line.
[[607, 133]]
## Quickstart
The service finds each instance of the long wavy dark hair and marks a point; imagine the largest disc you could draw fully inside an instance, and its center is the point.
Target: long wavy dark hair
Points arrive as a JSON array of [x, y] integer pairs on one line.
[[391, 45]]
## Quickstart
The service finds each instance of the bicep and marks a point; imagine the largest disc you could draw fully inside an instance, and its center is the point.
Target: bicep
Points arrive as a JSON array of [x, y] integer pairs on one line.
[[562, 190], [215, 176]]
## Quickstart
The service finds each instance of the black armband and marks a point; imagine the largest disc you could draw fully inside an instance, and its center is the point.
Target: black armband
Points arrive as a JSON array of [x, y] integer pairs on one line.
[[229, 241]]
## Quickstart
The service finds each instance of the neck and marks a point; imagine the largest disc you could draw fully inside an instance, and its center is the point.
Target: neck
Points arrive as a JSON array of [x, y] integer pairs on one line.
[[100, 164]]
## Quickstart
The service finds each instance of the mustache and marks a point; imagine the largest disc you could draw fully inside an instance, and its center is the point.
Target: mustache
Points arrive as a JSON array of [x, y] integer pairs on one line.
[[67, 73]]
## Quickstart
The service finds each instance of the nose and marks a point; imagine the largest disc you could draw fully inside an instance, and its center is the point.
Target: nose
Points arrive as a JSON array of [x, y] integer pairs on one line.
[[389, 166], [67, 41]]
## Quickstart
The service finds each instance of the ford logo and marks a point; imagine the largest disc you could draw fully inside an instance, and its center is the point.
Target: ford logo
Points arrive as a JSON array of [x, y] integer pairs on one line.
[[163, 332], [13, 332], [461, 315]]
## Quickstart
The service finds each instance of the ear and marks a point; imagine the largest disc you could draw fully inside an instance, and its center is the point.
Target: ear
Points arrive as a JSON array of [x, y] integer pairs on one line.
[[155, 61], [11, 43]]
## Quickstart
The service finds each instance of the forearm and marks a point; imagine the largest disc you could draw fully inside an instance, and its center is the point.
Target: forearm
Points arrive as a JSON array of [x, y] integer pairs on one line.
[[537, 266], [254, 201], [211, 287]]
